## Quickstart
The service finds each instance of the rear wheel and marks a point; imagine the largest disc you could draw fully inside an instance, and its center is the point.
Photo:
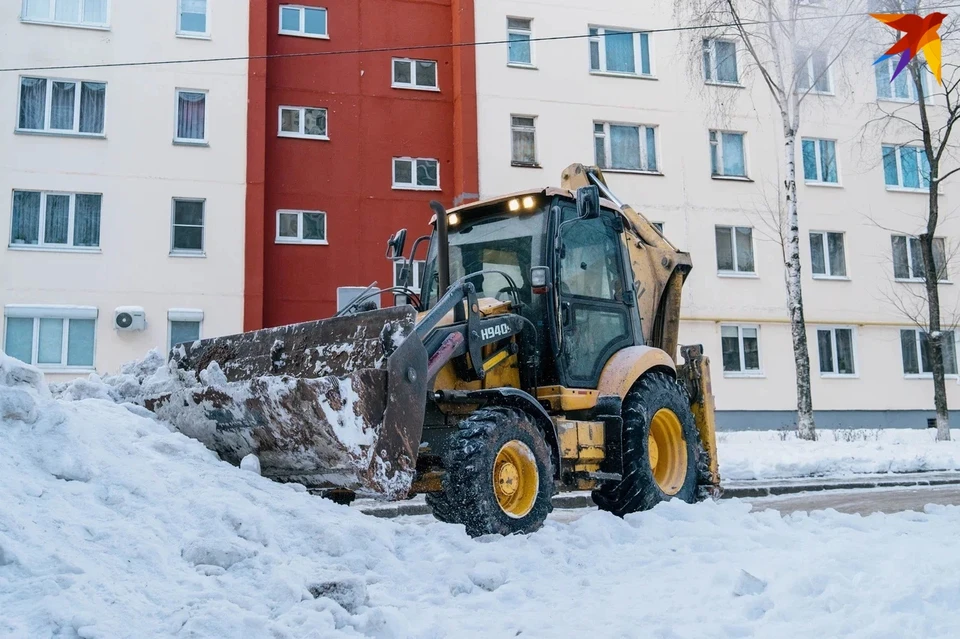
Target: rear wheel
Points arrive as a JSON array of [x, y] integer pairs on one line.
[[498, 475], [663, 456]]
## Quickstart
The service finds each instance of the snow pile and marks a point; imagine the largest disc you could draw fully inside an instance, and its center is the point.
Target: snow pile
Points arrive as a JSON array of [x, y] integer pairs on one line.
[[112, 526], [762, 455]]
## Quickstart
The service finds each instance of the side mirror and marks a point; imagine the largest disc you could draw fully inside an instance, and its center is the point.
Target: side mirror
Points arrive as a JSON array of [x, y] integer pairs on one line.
[[540, 279], [588, 202], [395, 244]]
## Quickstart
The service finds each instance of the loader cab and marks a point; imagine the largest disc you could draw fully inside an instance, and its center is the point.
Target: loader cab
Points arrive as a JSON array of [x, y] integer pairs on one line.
[[588, 309]]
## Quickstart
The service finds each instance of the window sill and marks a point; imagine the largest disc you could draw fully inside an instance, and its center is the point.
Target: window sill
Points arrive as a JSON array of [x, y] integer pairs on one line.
[[742, 276], [919, 280], [830, 94], [834, 278], [404, 187], [176, 253], [839, 376], [633, 172], [53, 249], [178, 142], [50, 369], [828, 185], [523, 65], [898, 100], [67, 25], [281, 240], [732, 178], [186, 35], [526, 165], [743, 375], [615, 74], [927, 376], [413, 87], [300, 34], [285, 134], [60, 134], [902, 189], [729, 85]]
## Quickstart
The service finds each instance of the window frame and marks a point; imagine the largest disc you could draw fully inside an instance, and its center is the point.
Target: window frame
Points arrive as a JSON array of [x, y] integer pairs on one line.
[[529, 33], [835, 364], [100, 26], [403, 186], [412, 85], [712, 50], [514, 129], [183, 315], [608, 153], [827, 265], [733, 241], [600, 39], [302, 115], [70, 247], [812, 90], [818, 155], [415, 286], [914, 278], [718, 143], [278, 239], [64, 312], [48, 107], [196, 35], [897, 154], [921, 375], [301, 33], [743, 372], [179, 252], [177, 140], [890, 65]]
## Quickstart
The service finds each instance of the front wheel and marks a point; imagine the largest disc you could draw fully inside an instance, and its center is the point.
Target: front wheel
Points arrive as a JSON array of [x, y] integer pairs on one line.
[[498, 475], [663, 458]]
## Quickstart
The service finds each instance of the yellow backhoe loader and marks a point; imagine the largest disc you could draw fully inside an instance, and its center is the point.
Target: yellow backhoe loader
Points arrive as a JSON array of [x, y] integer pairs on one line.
[[539, 355]]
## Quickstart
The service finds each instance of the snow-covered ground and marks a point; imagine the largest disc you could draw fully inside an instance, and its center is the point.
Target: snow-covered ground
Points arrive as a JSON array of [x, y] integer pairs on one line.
[[748, 455], [112, 526]]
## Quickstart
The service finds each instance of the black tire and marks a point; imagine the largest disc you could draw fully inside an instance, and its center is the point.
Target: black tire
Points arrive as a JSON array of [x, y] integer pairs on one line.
[[638, 490], [468, 496]]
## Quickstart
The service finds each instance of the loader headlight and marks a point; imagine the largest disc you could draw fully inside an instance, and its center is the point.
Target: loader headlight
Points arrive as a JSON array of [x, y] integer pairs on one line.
[[513, 205], [528, 202], [453, 219]]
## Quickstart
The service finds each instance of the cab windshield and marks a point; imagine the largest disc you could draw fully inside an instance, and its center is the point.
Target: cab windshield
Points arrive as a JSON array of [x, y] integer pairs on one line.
[[511, 243]]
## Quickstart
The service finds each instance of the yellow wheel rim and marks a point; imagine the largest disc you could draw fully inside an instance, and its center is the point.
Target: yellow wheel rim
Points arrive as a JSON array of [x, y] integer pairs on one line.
[[667, 451], [515, 479]]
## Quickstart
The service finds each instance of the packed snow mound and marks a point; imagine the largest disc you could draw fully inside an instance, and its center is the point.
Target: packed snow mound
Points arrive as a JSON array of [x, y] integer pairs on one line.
[[767, 455], [112, 526]]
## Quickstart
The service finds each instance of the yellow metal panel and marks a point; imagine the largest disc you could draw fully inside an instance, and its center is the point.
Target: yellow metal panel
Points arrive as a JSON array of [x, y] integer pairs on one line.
[[496, 359], [627, 365], [567, 399], [567, 434], [590, 433]]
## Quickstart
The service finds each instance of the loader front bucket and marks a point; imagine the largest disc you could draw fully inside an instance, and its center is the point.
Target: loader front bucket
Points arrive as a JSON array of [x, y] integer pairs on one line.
[[334, 403]]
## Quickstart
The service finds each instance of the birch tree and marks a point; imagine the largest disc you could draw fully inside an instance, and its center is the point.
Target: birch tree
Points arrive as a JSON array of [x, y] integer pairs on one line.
[[790, 45], [927, 122]]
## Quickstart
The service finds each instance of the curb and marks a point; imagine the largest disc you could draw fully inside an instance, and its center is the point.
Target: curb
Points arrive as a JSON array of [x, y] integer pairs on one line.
[[573, 500]]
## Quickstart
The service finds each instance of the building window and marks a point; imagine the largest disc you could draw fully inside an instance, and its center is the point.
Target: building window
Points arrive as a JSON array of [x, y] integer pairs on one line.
[[303, 122], [741, 349], [734, 250], [720, 61], [84, 13], [904, 88], [53, 337], [914, 347], [819, 161], [836, 349], [727, 157], [623, 52], [519, 32], [906, 167], [347, 294], [61, 106], [413, 280], [625, 147], [187, 232], [183, 326], [827, 255], [192, 17], [523, 132], [55, 220], [301, 227], [813, 74], [308, 22], [415, 74], [658, 226], [416, 173], [191, 117], [908, 258]]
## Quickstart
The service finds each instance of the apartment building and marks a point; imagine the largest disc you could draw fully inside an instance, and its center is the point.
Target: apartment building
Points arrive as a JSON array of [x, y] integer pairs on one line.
[[345, 149], [688, 134], [124, 186]]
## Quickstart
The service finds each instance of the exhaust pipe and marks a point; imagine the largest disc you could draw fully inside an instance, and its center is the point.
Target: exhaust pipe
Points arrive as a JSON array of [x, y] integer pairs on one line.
[[443, 248]]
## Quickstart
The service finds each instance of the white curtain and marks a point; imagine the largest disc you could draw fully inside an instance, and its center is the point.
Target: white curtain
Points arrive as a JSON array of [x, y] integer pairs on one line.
[[192, 111], [33, 100], [57, 219], [67, 11], [95, 11], [26, 217], [36, 10], [62, 100], [93, 101], [86, 220], [80, 334]]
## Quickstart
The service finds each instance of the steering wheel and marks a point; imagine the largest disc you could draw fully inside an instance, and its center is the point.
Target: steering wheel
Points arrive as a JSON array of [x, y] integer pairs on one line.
[[508, 289]]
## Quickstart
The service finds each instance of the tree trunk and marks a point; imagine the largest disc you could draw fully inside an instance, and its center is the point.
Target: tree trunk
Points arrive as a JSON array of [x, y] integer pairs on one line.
[[806, 428]]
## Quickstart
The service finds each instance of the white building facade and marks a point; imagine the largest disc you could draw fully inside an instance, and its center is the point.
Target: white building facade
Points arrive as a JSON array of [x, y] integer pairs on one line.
[[694, 142], [123, 186]]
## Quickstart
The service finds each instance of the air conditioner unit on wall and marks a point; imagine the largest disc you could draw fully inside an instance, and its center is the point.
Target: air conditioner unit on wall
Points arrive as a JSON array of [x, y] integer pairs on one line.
[[129, 318]]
